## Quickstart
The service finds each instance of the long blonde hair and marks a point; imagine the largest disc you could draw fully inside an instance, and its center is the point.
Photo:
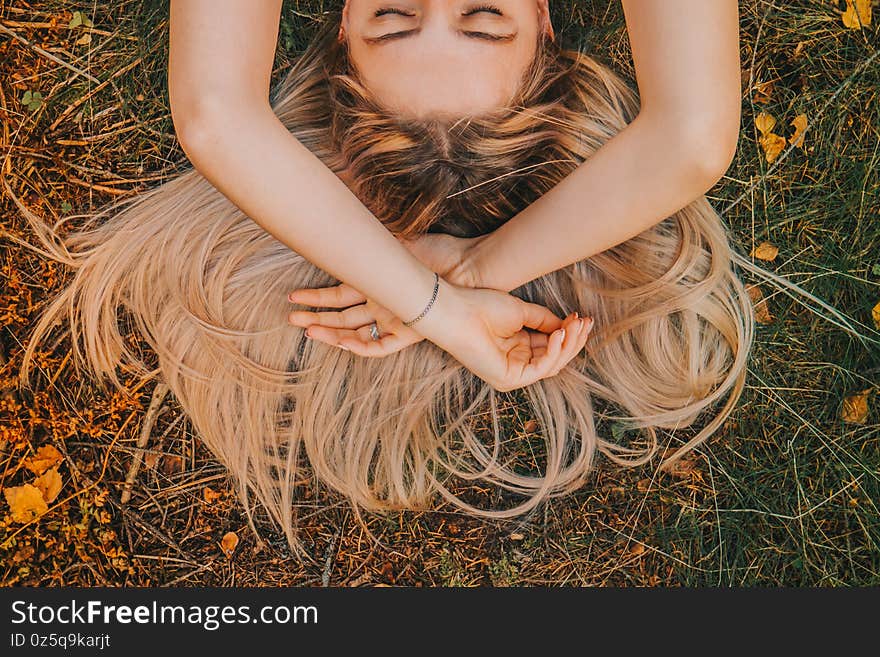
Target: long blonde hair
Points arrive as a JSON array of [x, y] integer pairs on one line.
[[206, 287]]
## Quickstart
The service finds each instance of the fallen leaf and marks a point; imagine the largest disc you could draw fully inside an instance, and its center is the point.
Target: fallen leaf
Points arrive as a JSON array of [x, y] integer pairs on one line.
[[683, 467], [800, 125], [84, 39], [875, 315], [228, 544], [530, 426], [47, 456], [172, 464], [764, 123], [763, 92], [151, 459], [773, 145], [857, 14], [855, 407], [636, 549], [210, 495], [49, 484], [762, 311], [26, 502], [765, 251]]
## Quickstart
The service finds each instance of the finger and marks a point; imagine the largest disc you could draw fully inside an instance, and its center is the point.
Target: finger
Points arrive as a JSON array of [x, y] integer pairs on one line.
[[540, 318], [577, 331], [331, 336], [336, 296], [538, 340], [349, 318], [541, 365], [370, 348]]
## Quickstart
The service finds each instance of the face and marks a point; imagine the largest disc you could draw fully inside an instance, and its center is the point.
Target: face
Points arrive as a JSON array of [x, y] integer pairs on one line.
[[443, 58]]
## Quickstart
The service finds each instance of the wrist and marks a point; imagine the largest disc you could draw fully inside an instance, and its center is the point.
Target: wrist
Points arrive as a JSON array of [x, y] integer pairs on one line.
[[471, 270], [445, 323]]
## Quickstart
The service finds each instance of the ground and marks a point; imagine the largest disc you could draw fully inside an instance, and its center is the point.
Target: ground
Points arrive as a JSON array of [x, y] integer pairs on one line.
[[786, 493]]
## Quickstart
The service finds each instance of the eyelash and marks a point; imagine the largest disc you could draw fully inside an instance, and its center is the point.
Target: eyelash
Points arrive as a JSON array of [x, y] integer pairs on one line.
[[391, 10], [487, 8], [491, 9]]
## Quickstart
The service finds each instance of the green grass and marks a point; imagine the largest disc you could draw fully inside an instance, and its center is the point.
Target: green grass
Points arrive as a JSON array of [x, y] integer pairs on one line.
[[785, 494]]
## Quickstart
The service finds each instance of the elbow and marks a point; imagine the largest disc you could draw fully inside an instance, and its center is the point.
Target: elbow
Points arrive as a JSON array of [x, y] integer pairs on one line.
[[197, 124], [709, 149], [206, 125]]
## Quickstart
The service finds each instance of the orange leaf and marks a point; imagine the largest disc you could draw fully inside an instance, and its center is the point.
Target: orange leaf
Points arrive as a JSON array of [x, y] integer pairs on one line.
[[765, 251], [46, 457], [210, 495], [857, 14], [763, 92], [875, 314], [49, 484], [800, 125], [773, 145], [228, 543], [855, 407], [26, 502], [762, 312], [764, 123]]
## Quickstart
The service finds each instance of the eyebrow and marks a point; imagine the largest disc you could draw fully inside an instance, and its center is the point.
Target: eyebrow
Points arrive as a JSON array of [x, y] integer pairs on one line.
[[402, 34]]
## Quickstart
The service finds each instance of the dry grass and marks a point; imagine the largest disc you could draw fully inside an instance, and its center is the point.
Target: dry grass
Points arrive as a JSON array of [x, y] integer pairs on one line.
[[785, 494]]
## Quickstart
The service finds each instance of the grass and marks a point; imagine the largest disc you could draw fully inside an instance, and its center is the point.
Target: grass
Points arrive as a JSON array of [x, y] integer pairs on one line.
[[786, 493]]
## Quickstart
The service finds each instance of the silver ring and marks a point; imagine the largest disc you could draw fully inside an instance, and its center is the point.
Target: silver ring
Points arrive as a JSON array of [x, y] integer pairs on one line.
[[374, 331]]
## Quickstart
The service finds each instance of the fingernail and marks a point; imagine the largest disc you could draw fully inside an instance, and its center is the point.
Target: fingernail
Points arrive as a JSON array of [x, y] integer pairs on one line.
[[307, 334], [342, 346], [563, 336], [576, 316], [590, 327], [290, 296]]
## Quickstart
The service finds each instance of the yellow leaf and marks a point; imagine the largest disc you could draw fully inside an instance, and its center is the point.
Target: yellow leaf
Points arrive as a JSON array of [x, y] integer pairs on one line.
[[773, 145], [763, 92], [762, 311], [857, 14], [764, 123], [49, 484], [26, 502], [800, 125], [228, 543], [765, 251], [46, 457], [855, 407], [875, 315]]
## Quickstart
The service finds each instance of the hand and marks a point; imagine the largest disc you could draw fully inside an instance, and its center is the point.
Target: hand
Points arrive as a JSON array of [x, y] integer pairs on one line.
[[487, 331], [349, 328], [445, 254], [448, 256]]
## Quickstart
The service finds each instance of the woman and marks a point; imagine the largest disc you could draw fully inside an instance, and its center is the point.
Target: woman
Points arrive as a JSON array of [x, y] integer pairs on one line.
[[414, 138]]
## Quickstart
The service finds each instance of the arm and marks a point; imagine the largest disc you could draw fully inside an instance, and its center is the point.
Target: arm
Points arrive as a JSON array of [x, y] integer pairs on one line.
[[686, 57], [220, 62]]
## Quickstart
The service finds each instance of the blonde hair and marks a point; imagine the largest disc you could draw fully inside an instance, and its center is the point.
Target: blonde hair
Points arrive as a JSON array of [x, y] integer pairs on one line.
[[206, 288]]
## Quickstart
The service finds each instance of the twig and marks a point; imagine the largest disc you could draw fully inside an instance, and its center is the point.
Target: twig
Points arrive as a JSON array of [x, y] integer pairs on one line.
[[159, 393], [47, 55]]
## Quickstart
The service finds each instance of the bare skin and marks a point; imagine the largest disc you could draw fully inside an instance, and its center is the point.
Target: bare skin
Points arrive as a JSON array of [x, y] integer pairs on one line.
[[220, 62], [686, 58], [687, 66]]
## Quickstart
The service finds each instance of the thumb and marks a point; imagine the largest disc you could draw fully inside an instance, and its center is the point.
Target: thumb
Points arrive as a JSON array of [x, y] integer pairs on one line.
[[539, 317]]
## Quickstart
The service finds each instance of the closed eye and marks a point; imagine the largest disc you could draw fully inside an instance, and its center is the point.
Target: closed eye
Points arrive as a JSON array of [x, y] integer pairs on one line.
[[472, 34]]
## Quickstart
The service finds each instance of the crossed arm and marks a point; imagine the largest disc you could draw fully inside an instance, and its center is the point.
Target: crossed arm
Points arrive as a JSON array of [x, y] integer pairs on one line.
[[686, 58]]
